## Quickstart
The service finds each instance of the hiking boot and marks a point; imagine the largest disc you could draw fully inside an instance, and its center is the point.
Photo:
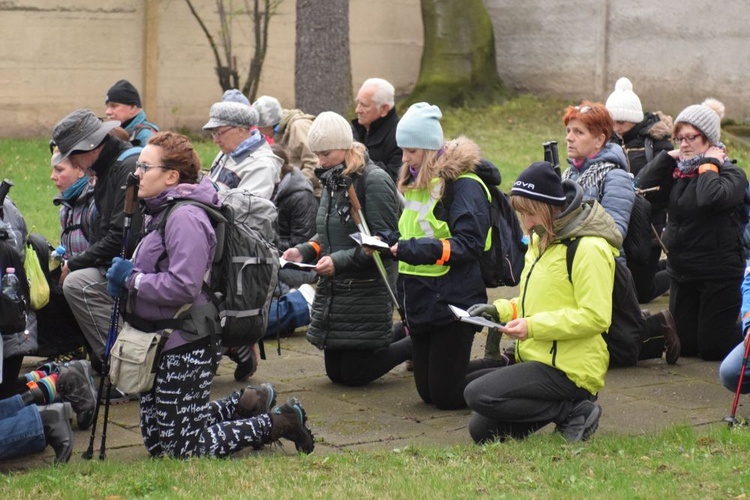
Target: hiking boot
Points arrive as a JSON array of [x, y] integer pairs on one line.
[[289, 422], [255, 401], [246, 358], [672, 344], [582, 421], [75, 385], [57, 430]]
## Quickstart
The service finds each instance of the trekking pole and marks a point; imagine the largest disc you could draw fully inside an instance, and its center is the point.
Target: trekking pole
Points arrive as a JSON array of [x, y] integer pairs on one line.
[[731, 419], [131, 201], [359, 220]]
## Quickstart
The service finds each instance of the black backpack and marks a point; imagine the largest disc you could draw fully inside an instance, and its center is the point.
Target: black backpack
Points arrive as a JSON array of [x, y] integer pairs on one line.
[[13, 312], [624, 335], [502, 263]]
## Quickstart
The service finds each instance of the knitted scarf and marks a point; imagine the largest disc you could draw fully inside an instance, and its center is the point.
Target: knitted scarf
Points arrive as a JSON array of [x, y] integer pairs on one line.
[[592, 176], [688, 167]]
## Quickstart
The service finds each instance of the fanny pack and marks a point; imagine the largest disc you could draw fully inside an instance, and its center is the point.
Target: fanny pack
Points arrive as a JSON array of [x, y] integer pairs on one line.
[[134, 358]]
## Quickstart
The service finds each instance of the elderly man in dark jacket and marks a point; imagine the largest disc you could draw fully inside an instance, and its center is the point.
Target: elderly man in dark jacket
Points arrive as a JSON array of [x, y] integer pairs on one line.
[[375, 125], [85, 139]]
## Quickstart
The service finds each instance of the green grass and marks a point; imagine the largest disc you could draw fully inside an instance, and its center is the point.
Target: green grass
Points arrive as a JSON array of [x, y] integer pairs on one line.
[[676, 463]]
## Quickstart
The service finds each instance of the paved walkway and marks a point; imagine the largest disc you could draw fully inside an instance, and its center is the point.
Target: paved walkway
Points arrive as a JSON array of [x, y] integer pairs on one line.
[[388, 413]]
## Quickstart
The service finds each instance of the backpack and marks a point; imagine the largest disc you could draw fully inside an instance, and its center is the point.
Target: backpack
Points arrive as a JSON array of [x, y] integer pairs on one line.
[[244, 271], [502, 261], [624, 335]]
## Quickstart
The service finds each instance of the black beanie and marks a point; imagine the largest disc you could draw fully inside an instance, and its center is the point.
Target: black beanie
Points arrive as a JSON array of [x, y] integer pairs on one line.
[[540, 182], [124, 93]]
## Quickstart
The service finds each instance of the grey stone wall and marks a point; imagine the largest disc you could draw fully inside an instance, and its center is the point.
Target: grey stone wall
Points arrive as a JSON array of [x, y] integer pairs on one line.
[[59, 55], [676, 52]]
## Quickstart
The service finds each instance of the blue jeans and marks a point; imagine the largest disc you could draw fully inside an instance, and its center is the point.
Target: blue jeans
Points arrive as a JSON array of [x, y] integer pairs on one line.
[[287, 313], [729, 371], [21, 430]]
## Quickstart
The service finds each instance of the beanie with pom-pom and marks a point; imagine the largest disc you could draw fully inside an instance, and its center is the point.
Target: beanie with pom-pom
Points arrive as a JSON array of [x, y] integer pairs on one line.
[[705, 117], [623, 104]]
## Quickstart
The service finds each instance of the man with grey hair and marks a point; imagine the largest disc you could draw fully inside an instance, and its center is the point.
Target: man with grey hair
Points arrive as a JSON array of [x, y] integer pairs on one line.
[[245, 159], [375, 125]]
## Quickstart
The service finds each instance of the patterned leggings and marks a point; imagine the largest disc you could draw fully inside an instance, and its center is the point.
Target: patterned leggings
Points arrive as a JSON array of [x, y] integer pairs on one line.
[[179, 421]]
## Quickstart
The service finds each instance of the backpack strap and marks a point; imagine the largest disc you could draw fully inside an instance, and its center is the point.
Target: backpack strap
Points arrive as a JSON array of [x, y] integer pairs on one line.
[[129, 152], [648, 148], [570, 253]]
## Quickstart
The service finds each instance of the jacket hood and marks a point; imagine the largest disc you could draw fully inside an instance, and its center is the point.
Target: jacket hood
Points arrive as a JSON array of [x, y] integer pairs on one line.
[[585, 219], [459, 156], [611, 153], [293, 182], [488, 172], [291, 115], [662, 126], [203, 192]]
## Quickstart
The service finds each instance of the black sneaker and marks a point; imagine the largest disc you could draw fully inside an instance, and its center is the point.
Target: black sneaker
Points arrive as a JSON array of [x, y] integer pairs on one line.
[[289, 422], [582, 421], [247, 362], [76, 386]]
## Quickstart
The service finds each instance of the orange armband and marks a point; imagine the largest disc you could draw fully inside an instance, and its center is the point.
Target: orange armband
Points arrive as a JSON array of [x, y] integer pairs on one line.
[[316, 247], [446, 253], [708, 167]]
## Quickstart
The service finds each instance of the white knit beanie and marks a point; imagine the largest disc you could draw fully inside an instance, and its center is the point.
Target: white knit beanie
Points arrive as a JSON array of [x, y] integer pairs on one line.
[[330, 131], [623, 104], [706, 117]]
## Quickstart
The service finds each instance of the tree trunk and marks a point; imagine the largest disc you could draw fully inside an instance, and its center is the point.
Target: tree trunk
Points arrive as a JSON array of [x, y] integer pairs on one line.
[[458, 60], [322, 68]]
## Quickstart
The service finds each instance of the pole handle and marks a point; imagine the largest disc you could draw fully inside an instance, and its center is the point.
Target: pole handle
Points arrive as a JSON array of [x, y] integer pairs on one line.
[[131, 195]]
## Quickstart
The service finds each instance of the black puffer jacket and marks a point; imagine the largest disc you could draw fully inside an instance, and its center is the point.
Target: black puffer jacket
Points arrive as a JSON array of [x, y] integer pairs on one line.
[[297, 208], [352, 309], [381, 142], [653, 132], [109, 196], [703, 232]]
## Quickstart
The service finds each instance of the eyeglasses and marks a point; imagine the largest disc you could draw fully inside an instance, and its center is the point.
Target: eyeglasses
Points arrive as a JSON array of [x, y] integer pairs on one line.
[[689, 138], [218, 133], [145, 166], [583, 109]]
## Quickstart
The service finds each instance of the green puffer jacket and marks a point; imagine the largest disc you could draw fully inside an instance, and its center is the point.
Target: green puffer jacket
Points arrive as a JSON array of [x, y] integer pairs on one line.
[[565, 322], [352, 309]]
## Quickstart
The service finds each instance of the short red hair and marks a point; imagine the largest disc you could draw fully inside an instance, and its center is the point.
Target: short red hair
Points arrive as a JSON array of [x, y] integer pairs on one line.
[[595, 117]]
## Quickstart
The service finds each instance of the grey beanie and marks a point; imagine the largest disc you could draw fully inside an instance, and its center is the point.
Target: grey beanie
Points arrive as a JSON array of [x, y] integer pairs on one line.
[[623, 104], [330, 131], [540, 182], [420, 127], [231, 114], [269, 111], [234, 95], [704, 118]]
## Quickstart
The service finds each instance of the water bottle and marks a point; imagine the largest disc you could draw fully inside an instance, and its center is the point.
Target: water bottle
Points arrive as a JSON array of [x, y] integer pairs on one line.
[[56, 257], [10, 284]]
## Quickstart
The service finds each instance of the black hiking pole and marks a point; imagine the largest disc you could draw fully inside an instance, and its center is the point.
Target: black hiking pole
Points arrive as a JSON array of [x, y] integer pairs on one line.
[[731, 419], [131, 201], [359, 220], [551, 156]]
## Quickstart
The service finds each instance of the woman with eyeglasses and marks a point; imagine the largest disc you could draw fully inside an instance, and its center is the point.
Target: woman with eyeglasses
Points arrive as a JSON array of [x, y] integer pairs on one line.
[[167, 273], [601, 169], [704, 192]]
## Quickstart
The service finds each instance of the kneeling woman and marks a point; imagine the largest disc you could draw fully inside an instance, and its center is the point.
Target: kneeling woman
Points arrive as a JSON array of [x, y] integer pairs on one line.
[[167, 273], [561, 357]]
